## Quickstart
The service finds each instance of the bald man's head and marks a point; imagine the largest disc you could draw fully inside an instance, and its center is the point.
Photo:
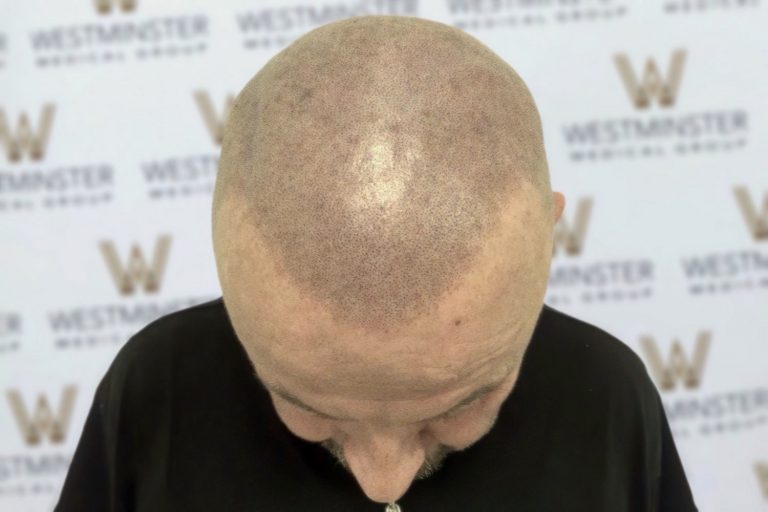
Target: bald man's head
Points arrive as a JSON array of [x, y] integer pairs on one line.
[[371, 160]]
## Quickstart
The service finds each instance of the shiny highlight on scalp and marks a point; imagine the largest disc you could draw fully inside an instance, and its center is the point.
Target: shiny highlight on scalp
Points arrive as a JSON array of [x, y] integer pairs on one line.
[[373, 156]]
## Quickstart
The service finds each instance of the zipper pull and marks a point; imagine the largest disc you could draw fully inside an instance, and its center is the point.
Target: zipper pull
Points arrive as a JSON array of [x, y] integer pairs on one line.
[[393, 507]]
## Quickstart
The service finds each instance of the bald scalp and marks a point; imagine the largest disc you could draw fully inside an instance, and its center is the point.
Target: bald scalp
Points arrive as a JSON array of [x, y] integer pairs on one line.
[[372, 157]]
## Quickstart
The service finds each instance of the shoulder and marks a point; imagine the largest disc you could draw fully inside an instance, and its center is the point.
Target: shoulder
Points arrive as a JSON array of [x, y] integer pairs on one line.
[[601, 389], [580, 352], [167, 342], [195, 320], [578, 338]]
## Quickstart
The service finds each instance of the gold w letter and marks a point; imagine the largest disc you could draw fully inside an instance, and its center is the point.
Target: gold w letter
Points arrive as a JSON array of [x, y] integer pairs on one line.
[[213, 121], [652, 84], [24, 139], [757, 223], [677, 367], [105, 6], [572, 240], [761, 469], [137, 270], [43, 421]]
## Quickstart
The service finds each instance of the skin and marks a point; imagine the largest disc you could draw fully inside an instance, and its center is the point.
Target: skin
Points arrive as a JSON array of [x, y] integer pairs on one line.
[[373, 156], [375, 388], [384, 388]]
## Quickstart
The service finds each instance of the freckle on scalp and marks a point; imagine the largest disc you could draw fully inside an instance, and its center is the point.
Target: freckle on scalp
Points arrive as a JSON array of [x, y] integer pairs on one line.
[[374, 155]]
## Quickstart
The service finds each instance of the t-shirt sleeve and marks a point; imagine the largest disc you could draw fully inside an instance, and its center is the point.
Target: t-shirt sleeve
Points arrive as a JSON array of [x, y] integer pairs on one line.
[[674, 491], [90, 481]]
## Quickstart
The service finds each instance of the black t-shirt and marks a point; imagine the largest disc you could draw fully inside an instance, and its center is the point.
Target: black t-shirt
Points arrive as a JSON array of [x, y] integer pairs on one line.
[[180, 423]]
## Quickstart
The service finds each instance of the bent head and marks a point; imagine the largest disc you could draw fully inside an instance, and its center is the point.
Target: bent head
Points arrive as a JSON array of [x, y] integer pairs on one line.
[[382, 227]]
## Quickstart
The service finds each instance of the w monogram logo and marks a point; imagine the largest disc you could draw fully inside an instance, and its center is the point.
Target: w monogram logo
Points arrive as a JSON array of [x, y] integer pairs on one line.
[[42, 421], [651, 84], [677, 367], [137, 272], [571, 239], [213, 121], [106, 6], [757, 222], [25, 139], [761, 469]]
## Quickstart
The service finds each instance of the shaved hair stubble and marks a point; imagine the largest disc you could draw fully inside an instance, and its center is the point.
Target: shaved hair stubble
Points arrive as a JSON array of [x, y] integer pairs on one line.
[[370, 160]]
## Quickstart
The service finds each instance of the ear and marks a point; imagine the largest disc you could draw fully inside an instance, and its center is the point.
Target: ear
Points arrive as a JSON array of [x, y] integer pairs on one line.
[[559, 202]]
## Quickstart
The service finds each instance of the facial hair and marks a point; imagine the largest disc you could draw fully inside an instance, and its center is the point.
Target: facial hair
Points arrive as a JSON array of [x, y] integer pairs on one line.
[[431, 464]]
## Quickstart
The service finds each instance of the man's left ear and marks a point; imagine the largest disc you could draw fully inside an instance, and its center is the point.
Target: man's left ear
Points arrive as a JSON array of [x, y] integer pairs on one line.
[[559, 201]]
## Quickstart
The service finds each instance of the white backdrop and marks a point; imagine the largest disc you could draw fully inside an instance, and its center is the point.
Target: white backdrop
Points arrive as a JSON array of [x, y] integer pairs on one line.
[[654, 115]]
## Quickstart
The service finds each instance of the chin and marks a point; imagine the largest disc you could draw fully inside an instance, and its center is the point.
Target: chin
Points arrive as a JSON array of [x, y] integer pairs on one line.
[[432, 464]]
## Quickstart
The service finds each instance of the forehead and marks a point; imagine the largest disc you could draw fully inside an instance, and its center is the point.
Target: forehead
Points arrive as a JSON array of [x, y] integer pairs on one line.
[[475, 331], [310, 355]]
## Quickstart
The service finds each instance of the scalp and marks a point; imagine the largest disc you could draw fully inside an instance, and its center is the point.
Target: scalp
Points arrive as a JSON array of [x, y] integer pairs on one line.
[[374, 156]]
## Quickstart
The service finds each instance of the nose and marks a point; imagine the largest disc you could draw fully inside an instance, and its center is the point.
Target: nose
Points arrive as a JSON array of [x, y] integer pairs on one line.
[[384, 462]]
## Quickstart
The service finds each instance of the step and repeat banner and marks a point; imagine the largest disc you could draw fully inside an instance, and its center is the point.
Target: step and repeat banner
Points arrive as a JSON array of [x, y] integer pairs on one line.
[[656, 125]]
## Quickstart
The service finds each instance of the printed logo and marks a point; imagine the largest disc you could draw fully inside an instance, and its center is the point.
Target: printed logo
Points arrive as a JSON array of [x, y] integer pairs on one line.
[[479, 15], [2, 50], [578, 279], [113, 36], [757, 223], [36, 186], [10, 332], [10, 323], [677, 367], [42, 421], [136, 272], [688, 7], [761, 470], [111, 323], [25, 139], [105, 6], [272, 27], [738, 270], [189, 176], [213, 120], [572, 239], [692, 412], [646, 133], [652, 84]]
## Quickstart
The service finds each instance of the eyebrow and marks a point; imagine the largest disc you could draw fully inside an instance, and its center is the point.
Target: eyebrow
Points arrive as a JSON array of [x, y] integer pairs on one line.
[[472, 397]]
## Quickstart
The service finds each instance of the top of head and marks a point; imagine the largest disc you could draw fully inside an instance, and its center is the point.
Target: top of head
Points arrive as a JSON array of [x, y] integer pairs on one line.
[[372, 157]]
